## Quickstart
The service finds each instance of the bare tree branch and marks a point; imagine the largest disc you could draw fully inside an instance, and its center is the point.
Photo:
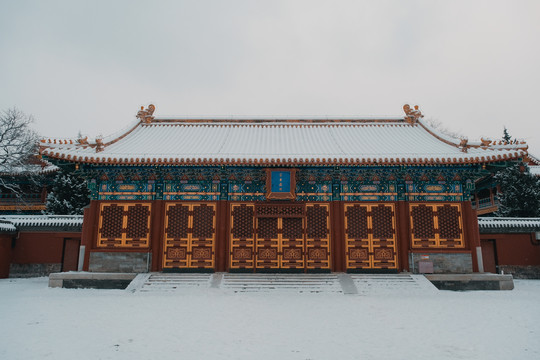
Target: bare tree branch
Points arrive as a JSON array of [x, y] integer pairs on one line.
[[18, 143]]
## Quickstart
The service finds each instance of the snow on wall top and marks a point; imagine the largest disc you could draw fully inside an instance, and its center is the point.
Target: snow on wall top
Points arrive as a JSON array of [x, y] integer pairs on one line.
[[261, 141], [7, 227], [532, 224], [17, 221]]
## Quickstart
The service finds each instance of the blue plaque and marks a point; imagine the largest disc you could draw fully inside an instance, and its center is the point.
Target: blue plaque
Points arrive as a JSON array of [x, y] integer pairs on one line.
[[281, 181]]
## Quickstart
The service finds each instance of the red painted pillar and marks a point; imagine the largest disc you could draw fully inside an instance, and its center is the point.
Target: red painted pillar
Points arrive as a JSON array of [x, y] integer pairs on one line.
[[403, 234], [471, 232], [89, 230], [222, 240], [337, 236], [157, 226], [5, 255]]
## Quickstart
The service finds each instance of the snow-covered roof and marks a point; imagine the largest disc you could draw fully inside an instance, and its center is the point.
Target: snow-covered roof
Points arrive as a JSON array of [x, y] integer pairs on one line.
[[506, 224], [14, 222], [43, 167], [268, 141], [534, 169]]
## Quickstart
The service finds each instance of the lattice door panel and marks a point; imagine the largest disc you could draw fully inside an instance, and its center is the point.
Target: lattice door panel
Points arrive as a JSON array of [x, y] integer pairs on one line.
[[370, 235], [436, 226], [242, 236], [318, 236], [292, 243], [268, 244], [124, 225], [189, 239]]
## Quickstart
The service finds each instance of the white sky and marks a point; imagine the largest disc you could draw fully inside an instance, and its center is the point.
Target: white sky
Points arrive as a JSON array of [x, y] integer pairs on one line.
[[88, 66]]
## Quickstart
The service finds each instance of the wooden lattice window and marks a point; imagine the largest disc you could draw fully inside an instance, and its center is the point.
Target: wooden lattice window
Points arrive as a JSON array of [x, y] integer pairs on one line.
[[124, 225], [438, 226]]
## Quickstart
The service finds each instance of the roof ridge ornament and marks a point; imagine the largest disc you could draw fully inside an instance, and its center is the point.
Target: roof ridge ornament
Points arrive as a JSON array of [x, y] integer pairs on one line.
[[412, 115], [146, 115], [463, 144], [99, 145]]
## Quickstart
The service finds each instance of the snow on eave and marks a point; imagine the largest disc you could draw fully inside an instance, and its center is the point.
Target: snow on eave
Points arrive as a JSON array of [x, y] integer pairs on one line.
[[533, 159], [484, 143]]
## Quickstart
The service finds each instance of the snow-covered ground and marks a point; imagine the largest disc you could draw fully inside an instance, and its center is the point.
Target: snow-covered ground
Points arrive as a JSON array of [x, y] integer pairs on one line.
[[37, 322]]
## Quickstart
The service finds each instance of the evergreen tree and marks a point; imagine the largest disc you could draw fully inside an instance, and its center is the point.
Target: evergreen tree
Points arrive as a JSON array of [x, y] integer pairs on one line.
[[506, 136], [68, 195], [520, 192]]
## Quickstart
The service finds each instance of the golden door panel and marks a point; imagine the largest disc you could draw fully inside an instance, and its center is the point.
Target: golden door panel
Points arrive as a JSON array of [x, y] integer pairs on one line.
[[242, 236], [436, 226], [268, 243], [272, 237], [189, 238], [370, 236], [291, 250], [318, 236], [124, 225]]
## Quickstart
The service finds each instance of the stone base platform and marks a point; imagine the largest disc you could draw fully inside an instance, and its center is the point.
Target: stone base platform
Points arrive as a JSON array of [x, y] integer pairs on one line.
[[91, 280], [464, 282]]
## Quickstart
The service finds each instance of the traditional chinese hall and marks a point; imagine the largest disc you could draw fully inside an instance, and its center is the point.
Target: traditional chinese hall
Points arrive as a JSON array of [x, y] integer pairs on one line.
[[281, 195]]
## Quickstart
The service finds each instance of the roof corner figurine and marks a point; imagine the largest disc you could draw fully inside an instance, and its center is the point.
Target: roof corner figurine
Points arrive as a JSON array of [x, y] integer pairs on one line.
[[146, 115], [412, 115]]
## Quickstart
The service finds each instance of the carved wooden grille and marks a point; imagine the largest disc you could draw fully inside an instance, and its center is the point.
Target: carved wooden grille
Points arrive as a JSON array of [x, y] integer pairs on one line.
[[112, 221], [137, 226], [268, 243], [190, 230], [357, 222], [177, 226], [292, 228], [423, 221], [318, 236], [288, 210], [370, 235], [438, 226], [124, 225], [242, 236]]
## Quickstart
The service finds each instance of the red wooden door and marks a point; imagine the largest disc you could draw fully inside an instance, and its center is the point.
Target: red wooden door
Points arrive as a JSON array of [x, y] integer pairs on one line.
[[70, 261], [488, 256]]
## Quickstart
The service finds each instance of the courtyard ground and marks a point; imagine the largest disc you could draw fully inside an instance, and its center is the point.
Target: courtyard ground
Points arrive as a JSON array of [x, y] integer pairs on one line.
[[38, 322]]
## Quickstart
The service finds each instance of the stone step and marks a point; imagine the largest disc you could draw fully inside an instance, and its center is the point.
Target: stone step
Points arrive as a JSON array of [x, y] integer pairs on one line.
[[380, 284], [175, 282], [296, 283], [334, 283]]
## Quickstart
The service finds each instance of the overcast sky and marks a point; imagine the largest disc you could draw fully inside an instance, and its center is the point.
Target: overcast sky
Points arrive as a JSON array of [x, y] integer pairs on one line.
[[89, 65]]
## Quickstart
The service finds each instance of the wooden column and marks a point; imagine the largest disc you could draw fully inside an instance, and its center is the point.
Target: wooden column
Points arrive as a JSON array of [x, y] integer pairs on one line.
[[157, 231], [89, 231], [403, 234], [222, 239], [471, 231], [337, 236], [5, 254]]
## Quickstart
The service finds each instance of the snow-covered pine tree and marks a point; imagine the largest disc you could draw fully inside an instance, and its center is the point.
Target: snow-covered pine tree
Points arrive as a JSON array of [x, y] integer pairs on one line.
[[506, 136], [520, 192], [68, 195]]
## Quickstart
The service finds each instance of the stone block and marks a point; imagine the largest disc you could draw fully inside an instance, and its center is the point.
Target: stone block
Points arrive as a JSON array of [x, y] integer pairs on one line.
[[443, 263], [120, 262], [33, 270]]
